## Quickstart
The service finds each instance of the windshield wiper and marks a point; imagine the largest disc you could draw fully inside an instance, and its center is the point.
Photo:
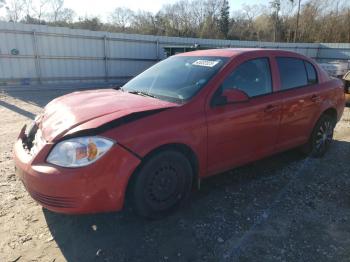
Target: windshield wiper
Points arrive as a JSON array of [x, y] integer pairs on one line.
[[160, 97], [141, 93]]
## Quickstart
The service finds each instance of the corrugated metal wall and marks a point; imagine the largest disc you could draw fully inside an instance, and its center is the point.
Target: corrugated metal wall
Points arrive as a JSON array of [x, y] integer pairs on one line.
[[35, 53]]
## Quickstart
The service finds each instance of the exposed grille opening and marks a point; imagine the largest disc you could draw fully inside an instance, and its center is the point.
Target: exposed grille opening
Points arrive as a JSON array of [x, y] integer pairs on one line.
[[30, 136], [33, 140]]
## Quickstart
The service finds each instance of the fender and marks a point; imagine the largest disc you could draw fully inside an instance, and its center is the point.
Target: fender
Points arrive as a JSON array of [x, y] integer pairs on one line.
[[166, 128]]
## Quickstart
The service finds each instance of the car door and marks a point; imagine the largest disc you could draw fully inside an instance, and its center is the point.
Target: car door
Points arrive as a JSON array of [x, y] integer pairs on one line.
[[242, 132], [301, 100]]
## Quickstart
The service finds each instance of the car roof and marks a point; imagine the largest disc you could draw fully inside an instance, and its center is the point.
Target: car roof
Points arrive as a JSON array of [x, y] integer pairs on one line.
[[232, 52]]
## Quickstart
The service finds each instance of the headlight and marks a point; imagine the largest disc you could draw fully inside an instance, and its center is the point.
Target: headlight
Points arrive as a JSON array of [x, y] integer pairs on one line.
[[80, 151]]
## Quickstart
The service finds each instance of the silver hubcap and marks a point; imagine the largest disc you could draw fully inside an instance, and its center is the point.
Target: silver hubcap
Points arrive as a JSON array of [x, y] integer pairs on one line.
[[324, 135]]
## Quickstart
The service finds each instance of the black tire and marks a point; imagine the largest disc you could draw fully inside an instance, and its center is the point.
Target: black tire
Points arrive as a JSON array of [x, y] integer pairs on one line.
[[161, 185], [321, 137]]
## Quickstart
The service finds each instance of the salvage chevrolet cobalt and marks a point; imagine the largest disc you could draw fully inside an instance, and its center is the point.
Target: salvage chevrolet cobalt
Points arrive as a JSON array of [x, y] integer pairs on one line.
[[188, 117]]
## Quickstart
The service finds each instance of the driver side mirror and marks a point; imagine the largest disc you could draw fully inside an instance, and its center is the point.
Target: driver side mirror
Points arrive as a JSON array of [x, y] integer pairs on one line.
[[231, 96]]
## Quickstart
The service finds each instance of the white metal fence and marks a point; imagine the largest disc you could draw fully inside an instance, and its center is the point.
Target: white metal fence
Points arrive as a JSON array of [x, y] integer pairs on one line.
[[41, 54]]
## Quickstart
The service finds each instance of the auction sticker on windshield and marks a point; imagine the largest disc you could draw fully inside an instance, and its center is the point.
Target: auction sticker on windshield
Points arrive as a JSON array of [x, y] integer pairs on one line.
[[206, 63]]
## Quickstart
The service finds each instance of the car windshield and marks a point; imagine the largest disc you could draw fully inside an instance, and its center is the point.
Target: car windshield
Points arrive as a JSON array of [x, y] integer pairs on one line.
[[177, 78]]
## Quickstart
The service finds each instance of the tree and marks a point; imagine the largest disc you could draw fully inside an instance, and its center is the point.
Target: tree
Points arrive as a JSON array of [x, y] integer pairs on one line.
[[121, 17], [93, 24], [262, 25], [210, 28], [224, 19], [14, 10], [65, 15], [39, 9], [297, 24], [144, 22], [56, 9], [212, 8]]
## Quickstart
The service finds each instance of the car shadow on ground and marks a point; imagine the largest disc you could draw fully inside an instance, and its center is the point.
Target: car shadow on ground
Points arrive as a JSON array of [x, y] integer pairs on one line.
[[193, 233], [17, 110]]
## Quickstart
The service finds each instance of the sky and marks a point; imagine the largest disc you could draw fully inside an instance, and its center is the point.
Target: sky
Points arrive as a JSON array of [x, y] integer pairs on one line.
[[103, 7]]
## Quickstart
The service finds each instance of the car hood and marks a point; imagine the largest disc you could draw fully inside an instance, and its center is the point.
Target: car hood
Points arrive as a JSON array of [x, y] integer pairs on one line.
[[69, 111]]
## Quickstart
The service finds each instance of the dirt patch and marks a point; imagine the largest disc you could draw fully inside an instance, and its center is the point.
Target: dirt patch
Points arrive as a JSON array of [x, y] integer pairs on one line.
[[281, 208]]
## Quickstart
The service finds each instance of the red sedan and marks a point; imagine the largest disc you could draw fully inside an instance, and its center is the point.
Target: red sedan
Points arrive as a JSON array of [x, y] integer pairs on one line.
[[188, 117]]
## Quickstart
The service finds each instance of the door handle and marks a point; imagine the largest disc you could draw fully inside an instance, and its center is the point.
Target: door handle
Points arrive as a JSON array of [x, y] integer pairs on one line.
[[315, 98], [271, 108]]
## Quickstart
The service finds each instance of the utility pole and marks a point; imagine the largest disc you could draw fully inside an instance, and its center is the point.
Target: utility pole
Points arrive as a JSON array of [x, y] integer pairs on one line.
[[276, 5]]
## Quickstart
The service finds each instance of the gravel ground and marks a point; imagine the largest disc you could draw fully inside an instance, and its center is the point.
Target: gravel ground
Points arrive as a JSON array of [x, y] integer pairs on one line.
[[283, 208]]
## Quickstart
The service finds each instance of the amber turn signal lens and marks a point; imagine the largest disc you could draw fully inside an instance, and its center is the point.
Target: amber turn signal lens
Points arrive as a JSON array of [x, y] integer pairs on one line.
[[92, 151]]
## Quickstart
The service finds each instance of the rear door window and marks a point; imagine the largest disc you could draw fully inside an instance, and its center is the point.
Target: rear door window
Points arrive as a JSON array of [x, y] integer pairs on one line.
[[293, 73]]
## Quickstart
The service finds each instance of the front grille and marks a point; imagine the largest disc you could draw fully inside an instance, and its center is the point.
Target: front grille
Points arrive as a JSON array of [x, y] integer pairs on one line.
[[53, 201]]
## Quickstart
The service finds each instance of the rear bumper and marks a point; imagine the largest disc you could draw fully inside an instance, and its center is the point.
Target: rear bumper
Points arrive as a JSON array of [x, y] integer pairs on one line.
[[99, 187]]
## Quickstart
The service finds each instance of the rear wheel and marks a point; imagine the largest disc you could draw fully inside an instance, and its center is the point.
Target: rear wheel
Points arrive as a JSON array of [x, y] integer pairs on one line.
[[321, 137], [163, 182]]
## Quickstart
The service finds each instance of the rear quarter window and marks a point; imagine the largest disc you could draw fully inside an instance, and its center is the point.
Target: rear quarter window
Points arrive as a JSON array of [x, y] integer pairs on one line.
[[292, 72], [311, 73]]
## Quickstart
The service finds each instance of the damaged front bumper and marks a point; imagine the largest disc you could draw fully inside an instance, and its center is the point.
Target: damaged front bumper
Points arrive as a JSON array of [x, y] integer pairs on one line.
[[99, 187]]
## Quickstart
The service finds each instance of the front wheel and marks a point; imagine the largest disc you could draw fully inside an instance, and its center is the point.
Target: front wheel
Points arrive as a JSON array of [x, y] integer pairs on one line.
[[321, 137], [163, 182]]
